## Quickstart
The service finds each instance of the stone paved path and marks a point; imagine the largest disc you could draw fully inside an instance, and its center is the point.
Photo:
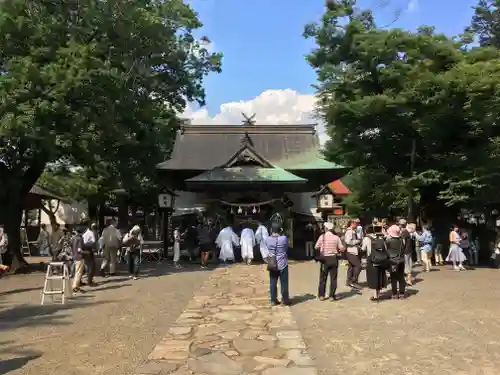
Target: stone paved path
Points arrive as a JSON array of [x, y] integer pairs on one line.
[[229, 328]]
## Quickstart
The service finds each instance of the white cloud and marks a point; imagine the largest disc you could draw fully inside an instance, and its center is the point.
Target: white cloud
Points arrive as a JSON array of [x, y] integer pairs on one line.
[[412, 5], [279, 107]]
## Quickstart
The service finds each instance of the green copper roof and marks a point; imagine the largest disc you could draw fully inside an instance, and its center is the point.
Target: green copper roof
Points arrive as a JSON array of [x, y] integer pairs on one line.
[[311, 159], [247, 174]]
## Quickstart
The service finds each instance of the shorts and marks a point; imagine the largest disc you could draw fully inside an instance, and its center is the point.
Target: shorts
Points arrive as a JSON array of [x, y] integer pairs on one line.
[[205, 248]]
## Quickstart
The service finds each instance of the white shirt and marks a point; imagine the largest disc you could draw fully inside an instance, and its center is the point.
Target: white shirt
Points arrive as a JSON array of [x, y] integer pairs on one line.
[[88, 237]]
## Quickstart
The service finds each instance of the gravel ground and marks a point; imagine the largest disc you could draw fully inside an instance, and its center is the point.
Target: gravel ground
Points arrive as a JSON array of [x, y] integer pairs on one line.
[[108, 331], [449, 325]]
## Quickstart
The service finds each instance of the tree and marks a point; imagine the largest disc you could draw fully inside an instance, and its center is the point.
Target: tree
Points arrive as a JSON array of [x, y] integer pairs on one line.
[[91, 83], [486, 23], [406, 107]]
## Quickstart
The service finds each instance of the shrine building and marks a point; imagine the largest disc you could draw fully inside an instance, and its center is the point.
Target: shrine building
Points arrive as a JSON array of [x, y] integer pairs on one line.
[[236, 173]]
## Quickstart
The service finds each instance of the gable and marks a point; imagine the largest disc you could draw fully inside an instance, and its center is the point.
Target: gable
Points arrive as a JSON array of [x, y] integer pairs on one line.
[[247, 156]]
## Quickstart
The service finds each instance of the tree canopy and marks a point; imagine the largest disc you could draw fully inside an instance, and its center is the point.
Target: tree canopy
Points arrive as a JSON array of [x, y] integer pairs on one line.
[[414, 112], [97, 84]]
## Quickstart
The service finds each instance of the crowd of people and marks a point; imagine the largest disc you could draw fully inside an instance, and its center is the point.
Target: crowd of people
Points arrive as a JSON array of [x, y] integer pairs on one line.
[[391, 251], [78, 248]]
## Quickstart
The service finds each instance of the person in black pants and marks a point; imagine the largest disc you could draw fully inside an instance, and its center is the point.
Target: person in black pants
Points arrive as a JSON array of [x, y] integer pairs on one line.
[[329, 246], [396, 252], [332, 269]]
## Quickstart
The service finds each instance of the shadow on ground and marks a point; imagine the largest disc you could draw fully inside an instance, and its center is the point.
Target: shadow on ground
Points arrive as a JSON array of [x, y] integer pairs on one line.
[[303, 298], [17, 291], [21, 356], [12, 364], [27, 315]]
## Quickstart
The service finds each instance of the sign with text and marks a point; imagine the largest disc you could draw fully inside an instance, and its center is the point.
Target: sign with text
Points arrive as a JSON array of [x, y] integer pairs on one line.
[[165, 200]]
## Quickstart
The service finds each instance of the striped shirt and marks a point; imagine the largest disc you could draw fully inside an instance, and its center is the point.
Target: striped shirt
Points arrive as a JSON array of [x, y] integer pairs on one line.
[[278, 247], [329, 244]]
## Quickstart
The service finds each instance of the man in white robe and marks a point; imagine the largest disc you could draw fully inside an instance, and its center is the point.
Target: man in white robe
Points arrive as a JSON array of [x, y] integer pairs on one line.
[[260, 237], [225, 241], [247, 242]]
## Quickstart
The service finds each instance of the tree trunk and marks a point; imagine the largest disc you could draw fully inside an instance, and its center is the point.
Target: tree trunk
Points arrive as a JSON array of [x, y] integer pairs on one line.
[[123, 219], [14, 211], [51, 211], [101, 214], [16, 185]]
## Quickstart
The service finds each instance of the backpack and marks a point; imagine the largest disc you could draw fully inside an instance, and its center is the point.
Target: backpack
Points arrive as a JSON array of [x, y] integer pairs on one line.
[[378, 254], [396, 258]]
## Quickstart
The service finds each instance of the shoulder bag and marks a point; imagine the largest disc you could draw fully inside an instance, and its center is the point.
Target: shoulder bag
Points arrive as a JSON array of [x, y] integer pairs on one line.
[[272, 263], [318, 255]]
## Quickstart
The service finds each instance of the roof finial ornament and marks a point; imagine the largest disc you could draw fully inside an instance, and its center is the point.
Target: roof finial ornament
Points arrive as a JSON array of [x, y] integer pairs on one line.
[[246, 140], [249, 120]]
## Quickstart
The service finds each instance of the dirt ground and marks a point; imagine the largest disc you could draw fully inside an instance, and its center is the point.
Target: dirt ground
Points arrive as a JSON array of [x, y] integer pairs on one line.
[[109, 330], [448, 325]]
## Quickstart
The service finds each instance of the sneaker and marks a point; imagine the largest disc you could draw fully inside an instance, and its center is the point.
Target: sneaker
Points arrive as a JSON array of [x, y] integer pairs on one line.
[[321, 298], [203, 267], [130, 277], [275, 303], [136, 277], [355, 286]]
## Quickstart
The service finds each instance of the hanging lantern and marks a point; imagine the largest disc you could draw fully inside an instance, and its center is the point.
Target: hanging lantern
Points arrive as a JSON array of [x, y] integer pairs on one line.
[[240, 210], [254, 211]]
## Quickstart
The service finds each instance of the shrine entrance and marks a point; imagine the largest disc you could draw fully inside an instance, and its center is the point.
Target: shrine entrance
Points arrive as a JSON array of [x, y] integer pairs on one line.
[[247, 208], [248, 173]]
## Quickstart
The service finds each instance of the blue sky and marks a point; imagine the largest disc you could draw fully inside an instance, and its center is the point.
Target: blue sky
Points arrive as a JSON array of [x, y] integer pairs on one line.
[[263, 45]]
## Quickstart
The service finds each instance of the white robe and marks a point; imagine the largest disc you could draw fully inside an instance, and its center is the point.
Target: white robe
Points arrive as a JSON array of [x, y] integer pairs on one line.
[[225, 241], [247, 242], [261, 236]]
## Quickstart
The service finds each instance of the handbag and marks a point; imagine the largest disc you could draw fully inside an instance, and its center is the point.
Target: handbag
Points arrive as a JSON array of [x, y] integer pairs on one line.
[[272, 263], [318, 256]]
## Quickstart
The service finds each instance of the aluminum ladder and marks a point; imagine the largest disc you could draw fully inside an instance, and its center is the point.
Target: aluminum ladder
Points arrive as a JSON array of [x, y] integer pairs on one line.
[[61, 273]]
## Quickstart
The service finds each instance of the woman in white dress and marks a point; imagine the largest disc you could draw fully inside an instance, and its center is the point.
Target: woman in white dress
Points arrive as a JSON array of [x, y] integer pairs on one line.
[[225, 241], [456, 255]]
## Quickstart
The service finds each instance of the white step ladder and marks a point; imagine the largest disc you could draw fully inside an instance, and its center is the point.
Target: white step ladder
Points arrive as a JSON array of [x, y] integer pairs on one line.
[[63, 275]]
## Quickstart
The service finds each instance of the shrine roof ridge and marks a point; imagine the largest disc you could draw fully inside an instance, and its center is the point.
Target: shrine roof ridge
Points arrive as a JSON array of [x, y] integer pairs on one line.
[[250, 129]]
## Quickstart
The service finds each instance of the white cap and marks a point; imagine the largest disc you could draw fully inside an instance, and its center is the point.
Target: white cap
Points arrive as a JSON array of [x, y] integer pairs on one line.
[[328, 226]]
